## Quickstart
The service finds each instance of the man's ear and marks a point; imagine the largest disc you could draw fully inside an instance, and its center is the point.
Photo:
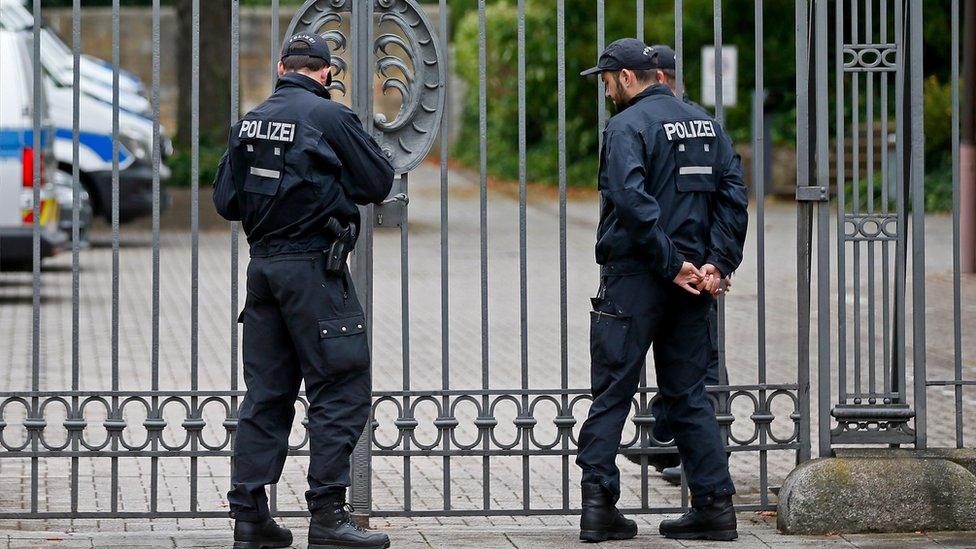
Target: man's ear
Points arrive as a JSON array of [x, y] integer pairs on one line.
[[328, 76], [281, 68], [626, 78], [660, 77]]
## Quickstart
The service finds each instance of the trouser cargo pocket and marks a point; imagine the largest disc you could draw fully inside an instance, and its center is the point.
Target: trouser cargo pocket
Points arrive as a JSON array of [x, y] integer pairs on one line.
[[609, 328], [343, 343]]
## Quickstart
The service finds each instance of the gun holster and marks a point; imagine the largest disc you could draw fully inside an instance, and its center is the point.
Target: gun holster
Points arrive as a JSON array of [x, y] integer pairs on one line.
[[343, 241]]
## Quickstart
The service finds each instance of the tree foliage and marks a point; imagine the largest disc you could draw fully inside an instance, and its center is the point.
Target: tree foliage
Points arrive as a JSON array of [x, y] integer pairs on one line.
[[582, 104]]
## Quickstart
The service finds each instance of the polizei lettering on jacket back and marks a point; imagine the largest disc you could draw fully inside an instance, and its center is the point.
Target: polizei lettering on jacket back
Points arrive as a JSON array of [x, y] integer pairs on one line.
[[268, 129], [689, 129]]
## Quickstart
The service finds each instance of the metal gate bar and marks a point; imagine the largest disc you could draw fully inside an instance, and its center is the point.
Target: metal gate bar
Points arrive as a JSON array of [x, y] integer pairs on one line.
[[804, 221], [956, 267], [75, 232], [36, 245], [156, 161], [445, 263], [483, 422], [563, 258], [523, 265], [759, 187], [235, 113], [917, 175]]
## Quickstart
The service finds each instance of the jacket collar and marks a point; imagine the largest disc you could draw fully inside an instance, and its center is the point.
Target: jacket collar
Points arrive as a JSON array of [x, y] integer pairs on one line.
[[656, 89], [298, 80]]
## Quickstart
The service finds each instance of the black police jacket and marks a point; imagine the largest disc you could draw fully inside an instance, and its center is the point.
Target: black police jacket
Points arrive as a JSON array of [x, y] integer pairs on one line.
[[292, 163], [672, 189]]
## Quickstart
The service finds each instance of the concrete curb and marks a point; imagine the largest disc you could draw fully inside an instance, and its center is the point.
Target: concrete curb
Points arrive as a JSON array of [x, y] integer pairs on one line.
[[899, 492]]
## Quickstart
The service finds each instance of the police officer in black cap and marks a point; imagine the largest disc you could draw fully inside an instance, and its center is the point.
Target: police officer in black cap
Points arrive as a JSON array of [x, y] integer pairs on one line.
[[668, 464], [672, 225], [295, 169]]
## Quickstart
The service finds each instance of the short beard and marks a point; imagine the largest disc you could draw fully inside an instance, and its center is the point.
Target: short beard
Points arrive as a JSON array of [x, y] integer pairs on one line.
[[618, 101]]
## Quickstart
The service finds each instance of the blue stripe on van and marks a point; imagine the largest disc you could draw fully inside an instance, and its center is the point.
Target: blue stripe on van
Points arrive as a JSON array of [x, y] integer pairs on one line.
[[100, 144], [12, 143]]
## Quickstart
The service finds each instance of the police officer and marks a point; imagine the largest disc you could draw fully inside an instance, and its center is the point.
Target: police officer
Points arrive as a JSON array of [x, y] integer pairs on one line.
[[668, 464], [672, 224], [295, 169]]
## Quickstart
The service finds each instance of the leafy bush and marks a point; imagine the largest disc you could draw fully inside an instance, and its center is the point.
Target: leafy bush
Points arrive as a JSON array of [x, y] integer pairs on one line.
[[938, 122], [181, 165], [938, 189], [581, 94], [938, 145]]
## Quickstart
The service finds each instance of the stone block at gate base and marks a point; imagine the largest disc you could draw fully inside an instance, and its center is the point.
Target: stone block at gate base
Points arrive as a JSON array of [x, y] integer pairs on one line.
[[877, 494]]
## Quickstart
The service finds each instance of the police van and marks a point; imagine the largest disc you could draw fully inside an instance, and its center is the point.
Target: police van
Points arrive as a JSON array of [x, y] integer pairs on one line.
[[95, 121], [95, 72], [17, 157]]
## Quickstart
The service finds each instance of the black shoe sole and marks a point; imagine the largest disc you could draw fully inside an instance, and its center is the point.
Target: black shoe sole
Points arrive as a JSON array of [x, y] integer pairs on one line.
[[261, 544], [672, 481], [345, 545], [714, 535], [658, 465], [596, 536]]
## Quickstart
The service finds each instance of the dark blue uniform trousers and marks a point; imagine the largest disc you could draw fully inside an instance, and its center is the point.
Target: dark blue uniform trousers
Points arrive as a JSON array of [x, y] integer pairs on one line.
[[630, 313], [299, 324], [712, 377]]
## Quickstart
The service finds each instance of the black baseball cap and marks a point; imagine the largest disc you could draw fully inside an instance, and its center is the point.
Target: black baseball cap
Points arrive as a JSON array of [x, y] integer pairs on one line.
[[317, 47], [665, 56], [629, 53]]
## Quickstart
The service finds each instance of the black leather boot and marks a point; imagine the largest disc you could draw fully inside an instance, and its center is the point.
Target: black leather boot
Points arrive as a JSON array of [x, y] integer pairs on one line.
[[333, 528], [672, 475], [714, 520], [601, 520], [658, 461], [258, 535]]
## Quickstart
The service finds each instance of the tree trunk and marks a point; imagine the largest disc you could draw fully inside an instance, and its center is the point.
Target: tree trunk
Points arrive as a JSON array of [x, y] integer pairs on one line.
[[214, 78]]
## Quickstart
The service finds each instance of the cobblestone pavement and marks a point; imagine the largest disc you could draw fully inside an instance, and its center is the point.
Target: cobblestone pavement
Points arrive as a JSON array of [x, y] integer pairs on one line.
[[754, 533], [214, 365]]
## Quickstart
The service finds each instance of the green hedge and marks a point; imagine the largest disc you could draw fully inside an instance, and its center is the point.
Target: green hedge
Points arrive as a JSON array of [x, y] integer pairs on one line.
[[620, 20], [581, 94]]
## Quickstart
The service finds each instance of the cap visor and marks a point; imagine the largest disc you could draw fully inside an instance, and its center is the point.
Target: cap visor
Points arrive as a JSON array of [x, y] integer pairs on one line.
[[593, 70]]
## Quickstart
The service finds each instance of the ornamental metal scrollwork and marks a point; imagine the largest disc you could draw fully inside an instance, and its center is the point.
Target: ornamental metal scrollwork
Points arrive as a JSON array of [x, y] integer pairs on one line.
[[874, 227], [870, 57], [406, 56], [160, 424]]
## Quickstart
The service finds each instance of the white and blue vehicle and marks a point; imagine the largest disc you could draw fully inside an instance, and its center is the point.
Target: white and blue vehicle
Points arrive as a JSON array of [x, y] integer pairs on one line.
[[15, 16], [95, 124], [58, 59], [95, 139], [17, 158]]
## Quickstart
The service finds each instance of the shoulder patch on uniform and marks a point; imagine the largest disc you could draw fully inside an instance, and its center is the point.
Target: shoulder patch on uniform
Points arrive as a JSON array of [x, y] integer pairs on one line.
[[269, 130], [689, 129]]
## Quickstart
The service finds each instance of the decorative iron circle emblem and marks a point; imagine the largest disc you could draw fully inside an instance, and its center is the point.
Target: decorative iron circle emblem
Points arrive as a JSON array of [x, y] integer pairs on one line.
[[407, 60]]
